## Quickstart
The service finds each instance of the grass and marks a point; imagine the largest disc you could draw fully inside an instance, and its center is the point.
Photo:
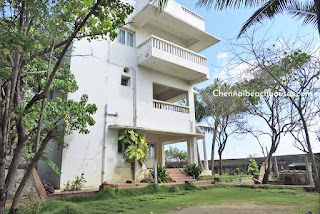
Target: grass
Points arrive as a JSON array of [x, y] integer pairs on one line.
[[162, 199], [211, 177]]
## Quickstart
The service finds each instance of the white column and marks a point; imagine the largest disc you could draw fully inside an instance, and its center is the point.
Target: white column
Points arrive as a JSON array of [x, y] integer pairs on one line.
[[160, 153], [192, 150], [205, 160]]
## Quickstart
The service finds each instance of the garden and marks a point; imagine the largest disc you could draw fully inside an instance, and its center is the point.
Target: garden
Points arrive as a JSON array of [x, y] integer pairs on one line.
[[184, 198]]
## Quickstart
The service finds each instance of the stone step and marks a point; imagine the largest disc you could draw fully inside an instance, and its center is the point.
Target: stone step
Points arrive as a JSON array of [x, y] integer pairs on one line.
[[179, 176]]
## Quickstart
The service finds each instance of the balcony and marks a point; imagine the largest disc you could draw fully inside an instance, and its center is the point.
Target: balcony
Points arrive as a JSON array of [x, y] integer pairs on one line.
[[160, 55], [158, 104], [176, 20]]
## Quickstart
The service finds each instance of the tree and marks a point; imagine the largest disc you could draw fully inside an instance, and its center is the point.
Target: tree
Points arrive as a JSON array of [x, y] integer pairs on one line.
[[135, 148], [291, 69], [308, 11], [174, 154], [224, 114], [35, 39]]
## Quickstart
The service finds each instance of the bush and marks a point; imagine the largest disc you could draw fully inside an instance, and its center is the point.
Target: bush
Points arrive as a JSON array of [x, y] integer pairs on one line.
[[163, 176], [75, 185], [253, 167], [193, 170], [237, 171]]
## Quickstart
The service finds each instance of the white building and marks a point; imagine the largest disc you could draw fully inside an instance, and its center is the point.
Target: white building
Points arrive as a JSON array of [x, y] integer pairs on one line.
[[136, 82]]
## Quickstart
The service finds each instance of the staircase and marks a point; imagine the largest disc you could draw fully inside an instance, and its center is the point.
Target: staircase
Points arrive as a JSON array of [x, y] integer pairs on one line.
[[179, 176]]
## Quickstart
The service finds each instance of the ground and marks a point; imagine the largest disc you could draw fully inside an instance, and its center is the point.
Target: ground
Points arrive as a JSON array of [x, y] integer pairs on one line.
[[188, 199], [237, 208]]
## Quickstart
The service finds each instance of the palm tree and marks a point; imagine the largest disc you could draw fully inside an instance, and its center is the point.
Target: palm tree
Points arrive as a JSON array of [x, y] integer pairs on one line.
[[307, 10]]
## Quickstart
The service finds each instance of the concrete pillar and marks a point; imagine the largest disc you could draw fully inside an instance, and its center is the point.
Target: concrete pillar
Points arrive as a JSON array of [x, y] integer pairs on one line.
[[205, 160], [192, 150], [160, 153]]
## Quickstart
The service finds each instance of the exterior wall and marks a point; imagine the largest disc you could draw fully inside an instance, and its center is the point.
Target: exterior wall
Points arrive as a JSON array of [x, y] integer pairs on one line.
[[180, 12], [149, 117]]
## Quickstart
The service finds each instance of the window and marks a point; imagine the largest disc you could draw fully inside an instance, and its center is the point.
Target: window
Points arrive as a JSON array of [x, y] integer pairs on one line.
[[150, 151], [122, 36], [122, 147], [125, 81], [126, 37], [130, 39]]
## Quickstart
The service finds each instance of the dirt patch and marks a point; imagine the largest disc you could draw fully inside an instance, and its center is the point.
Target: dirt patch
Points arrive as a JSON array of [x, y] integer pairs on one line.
[[236, 208]]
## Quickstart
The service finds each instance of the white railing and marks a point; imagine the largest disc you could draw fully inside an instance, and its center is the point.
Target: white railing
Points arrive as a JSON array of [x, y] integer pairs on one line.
[[192, 13], [161, 44], [170, 106]]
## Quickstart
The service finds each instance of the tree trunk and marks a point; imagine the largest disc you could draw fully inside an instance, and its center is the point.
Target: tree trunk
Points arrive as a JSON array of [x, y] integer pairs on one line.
[[317, 4], [3, 189], [133, 171], [310, 153], [268, 169], [212, 156], [213, 145], [220, 163], [34, 161], [12, 171]]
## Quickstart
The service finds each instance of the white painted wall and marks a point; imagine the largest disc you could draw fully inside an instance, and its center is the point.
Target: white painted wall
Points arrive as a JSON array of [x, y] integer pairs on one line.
[[99, 76]]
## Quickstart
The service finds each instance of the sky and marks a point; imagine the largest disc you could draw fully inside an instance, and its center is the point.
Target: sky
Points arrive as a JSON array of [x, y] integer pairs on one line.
[[226, 25]]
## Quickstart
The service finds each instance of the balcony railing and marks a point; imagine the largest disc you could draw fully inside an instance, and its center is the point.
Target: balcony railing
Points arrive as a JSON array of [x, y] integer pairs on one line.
[[192, 13], [170, 106], [163, 45]]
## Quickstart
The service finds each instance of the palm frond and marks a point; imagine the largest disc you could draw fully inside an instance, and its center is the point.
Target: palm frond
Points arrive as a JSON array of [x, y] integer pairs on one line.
[[305, 11], [269, 10], [234, 4], [161, 4]]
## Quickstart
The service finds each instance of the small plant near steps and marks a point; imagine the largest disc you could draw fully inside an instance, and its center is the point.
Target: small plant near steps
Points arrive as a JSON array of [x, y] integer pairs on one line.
[[179, 176]]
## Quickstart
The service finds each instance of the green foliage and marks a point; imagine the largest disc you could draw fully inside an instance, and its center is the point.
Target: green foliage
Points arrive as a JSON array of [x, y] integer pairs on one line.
[[51, 164], [237, 171], [253, 167], [163, 176], [174, 154], [75, 185], [136, 146], [193, 170]]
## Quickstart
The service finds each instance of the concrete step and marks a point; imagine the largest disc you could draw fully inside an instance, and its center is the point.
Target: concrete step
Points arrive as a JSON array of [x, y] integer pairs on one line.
[[179, 176]]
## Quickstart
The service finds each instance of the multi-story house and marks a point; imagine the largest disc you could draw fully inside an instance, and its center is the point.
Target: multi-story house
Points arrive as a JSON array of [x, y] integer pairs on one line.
[[143, 81]]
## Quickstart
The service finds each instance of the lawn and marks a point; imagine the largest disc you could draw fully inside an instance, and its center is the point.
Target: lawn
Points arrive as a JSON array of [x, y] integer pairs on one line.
[[163, 199]]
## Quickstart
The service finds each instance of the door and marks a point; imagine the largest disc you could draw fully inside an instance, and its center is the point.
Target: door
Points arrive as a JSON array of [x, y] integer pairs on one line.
[[150, 156]]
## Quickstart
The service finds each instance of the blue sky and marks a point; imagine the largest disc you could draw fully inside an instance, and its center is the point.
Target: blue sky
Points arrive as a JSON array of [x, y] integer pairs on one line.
[[226, 25]]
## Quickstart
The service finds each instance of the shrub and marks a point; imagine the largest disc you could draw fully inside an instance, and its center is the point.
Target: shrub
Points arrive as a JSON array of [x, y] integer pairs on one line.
[[253, 167], [163, 176], [75, 185], [193, 170], [237, 171]]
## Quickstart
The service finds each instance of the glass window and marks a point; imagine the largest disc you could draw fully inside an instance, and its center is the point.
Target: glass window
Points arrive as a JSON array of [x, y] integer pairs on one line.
[[130, 39], [150, 151], [122, 37]]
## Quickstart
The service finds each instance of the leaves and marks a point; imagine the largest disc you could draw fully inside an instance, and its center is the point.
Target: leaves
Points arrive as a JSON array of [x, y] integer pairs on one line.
[[51, 164], [136, 146]]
